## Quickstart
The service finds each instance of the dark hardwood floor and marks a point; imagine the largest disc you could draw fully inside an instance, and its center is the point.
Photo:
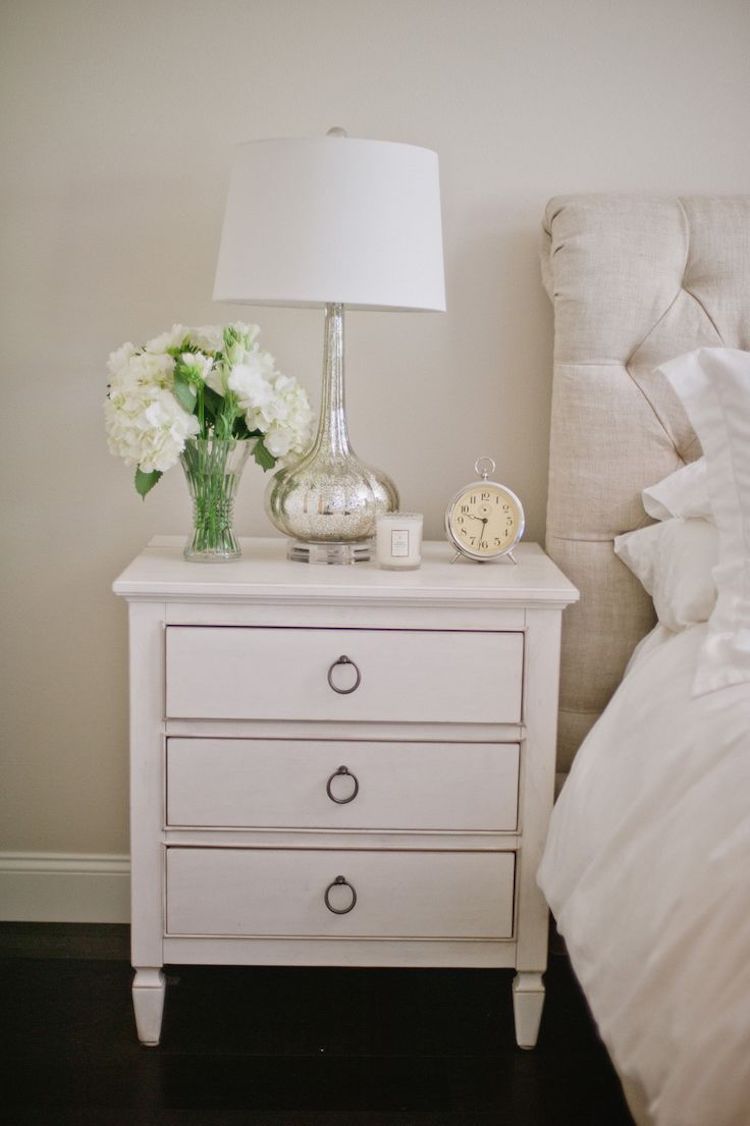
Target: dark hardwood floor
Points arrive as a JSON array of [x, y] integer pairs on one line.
[[286, 1047]]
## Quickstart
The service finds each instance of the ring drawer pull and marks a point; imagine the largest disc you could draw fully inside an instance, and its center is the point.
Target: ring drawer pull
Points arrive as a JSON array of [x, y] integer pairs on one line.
[[343, 660], [338, 882], [352, 795]]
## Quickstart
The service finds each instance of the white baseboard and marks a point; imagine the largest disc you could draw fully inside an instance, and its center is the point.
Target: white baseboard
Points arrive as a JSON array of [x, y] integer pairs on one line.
[[54, 887]]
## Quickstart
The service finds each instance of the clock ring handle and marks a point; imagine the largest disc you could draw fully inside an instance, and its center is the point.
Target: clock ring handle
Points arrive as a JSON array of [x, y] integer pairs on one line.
[[340, 881], [484, 466], [344, 660], [342, 801]]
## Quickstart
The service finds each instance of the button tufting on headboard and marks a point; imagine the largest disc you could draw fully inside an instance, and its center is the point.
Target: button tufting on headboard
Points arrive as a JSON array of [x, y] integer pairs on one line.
[[634, 281]]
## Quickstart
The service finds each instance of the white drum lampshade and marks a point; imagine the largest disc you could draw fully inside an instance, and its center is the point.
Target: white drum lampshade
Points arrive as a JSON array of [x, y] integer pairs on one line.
[[333, 220]]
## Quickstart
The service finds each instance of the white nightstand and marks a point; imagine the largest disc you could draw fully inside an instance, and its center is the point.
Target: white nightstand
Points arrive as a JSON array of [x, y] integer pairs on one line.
[[341, 765]]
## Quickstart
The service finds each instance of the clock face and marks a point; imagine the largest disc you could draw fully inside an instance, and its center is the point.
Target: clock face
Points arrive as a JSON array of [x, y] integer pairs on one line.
[[485, 520]]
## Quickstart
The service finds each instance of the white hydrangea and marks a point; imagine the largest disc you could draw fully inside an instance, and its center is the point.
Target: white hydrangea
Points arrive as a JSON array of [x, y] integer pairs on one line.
[[289, 433], [209, 338], [251, 380], [171, 339], [147, 427], [141, 369], [120, 359], [273, 403]]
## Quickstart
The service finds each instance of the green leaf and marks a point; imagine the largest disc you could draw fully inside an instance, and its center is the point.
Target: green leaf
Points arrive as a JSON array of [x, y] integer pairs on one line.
[[214, 402], [264, 459], [144, 482], [185, 394]]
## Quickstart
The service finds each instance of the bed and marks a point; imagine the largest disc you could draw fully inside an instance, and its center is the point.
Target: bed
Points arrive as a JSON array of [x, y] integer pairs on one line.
[[647, 864]]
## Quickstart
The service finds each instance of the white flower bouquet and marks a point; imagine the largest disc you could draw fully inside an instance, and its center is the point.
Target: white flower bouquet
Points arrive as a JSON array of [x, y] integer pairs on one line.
[[207, 383], [207, 397]]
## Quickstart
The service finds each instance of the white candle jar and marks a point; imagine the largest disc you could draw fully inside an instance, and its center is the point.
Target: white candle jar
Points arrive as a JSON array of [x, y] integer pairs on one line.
[[398, 540]]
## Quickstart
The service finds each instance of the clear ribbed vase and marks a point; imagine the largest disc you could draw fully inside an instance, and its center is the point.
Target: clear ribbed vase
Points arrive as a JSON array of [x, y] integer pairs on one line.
[[213, 467]]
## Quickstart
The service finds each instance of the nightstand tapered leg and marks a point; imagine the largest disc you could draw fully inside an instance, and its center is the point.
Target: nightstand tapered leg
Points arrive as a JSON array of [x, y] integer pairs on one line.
[[528, 1002], [148, 1001]]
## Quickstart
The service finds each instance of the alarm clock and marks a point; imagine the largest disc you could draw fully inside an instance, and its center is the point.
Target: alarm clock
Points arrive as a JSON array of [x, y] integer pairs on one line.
[[484, 520]]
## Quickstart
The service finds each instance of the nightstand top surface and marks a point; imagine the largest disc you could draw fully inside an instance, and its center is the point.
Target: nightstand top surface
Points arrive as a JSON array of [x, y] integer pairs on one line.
[[263, 572]]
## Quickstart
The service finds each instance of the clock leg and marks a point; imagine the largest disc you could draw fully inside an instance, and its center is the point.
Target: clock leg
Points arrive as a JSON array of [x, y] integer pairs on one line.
[[148, 1002], [528, 1002]]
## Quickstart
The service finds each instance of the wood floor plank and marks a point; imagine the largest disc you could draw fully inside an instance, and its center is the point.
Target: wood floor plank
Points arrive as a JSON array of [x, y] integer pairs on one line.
[[259, 1046]]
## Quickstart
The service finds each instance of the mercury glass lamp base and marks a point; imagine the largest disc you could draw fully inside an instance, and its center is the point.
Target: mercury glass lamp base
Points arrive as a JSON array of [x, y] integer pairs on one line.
[[337, 553]]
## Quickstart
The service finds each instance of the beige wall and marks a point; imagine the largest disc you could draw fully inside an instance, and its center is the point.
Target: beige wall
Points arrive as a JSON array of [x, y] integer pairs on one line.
[[116, 127]]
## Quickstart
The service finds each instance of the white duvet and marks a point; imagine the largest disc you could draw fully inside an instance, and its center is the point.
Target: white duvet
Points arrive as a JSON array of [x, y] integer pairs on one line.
[[647, 870]]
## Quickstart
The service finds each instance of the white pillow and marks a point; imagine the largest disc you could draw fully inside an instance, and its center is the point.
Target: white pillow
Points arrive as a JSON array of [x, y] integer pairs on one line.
[[682, 493], [674, 562], [714, 386]]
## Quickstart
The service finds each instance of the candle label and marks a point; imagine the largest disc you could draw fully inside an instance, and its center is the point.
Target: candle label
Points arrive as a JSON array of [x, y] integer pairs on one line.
[[399, 543]]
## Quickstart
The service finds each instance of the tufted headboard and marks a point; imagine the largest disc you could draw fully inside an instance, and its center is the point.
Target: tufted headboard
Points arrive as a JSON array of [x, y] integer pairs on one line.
[[634, 281]]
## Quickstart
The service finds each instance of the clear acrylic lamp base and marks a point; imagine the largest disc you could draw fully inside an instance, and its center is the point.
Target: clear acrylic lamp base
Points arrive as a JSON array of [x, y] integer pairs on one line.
[[334, 553]]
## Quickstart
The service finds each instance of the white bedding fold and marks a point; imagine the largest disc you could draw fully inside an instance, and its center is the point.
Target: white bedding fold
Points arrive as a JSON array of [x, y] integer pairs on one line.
[[647, 870]]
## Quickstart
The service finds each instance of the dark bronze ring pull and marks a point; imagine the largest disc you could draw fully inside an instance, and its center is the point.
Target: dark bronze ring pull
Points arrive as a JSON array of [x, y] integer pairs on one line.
[[344, 661], [340, 910], [352, 795]]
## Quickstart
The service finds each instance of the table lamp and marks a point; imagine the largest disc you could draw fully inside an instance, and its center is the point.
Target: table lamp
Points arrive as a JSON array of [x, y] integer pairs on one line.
[[331, 222]]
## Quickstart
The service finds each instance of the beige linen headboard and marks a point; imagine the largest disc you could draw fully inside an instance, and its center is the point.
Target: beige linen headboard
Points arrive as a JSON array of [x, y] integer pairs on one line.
[[634, 281]]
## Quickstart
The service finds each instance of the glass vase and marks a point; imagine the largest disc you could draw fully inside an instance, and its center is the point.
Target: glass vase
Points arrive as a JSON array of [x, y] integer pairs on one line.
[[213, 467], [329, 499]]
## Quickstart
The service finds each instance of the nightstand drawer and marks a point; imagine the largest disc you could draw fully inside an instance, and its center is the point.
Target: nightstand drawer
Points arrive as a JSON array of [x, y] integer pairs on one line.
[[277, 783], [256, 892], [424, 676]]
